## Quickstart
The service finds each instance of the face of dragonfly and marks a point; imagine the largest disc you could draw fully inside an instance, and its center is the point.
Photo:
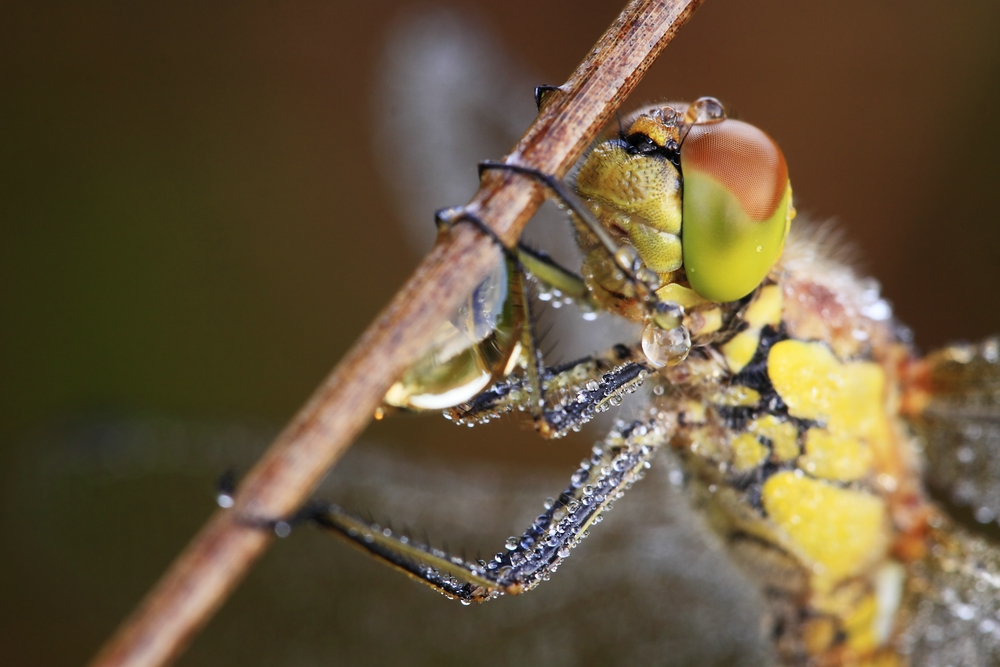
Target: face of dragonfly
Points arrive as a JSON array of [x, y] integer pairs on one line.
[[650, 246], [720, 233]]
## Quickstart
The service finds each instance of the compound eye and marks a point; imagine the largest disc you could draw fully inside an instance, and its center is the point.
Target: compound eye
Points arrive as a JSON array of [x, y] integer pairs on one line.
[[736, 208]]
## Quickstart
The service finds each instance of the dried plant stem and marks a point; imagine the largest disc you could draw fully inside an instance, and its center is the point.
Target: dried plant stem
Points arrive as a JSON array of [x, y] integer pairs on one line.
[[219, 556]]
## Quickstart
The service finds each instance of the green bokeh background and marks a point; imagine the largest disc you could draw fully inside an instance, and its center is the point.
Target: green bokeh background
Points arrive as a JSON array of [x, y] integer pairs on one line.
[[193, 230]]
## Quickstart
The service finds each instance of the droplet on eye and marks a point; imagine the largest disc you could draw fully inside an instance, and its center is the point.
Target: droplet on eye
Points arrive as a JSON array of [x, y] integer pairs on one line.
[[705, 110]]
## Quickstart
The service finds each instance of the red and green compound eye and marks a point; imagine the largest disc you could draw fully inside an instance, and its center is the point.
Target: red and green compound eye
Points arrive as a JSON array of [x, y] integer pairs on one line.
[[736, 208]]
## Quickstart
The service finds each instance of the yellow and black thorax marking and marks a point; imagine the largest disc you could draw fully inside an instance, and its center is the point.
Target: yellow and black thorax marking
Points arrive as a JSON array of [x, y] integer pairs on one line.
[[794, 447]]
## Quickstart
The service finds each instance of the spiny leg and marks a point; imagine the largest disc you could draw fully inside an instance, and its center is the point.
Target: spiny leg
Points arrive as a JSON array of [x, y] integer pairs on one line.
[[617, 463], [644, 282], [573, 393], [564, 397], [580, 389], [554, 276], [523, 322], [536, 263]]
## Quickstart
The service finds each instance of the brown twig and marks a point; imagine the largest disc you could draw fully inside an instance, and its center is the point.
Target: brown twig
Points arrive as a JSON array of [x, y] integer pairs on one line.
[[219, 556]]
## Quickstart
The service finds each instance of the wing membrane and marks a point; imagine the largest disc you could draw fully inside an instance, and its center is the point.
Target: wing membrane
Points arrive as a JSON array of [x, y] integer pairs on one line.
[[960, 424], [953, 603]]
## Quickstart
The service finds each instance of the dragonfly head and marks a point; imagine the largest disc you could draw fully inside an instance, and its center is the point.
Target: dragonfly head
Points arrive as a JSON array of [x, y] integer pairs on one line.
[[704, 199]]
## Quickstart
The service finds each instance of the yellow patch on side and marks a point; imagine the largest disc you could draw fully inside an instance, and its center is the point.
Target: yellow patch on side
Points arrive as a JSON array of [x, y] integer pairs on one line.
[[837, 532], [848, 397], [783, 435], [835, 456], [703, 322], [748, 453], [739, 350], [735, 396], [693, 412], [682, 296], [705, 442], [884, 658], [660, 251], [860, 625], [818, 634], [713, 320], [766, 308]]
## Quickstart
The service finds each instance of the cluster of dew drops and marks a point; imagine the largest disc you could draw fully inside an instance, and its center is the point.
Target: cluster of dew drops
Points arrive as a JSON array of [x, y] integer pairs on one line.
[[570, 392], [555, 528], [556, 299]]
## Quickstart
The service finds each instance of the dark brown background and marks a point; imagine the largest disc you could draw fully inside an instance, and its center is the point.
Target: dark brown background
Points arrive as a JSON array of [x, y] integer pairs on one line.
[[194, 230]]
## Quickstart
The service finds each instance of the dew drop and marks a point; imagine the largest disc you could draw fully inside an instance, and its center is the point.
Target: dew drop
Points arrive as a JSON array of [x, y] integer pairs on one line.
[[985, 514], [705, 110], [966, 612], [664, 347], [627, 258]]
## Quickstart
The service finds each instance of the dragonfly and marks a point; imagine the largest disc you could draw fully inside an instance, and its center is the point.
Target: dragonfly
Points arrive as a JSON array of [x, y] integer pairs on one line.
[[917, 628], [800, 413]]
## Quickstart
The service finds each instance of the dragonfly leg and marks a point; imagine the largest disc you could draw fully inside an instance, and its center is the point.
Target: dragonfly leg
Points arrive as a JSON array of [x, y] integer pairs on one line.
[[554, 276], [534, 262], [446, 218], [617, 463], [643, 281], [543, 91], [564, 397], [574, 393], [584, 387], [580, 389]]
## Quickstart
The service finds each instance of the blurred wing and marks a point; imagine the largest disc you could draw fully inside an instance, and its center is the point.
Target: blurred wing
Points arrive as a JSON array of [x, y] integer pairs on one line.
[[646, 588], [960, 425], [954, 603], [451, 97]]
